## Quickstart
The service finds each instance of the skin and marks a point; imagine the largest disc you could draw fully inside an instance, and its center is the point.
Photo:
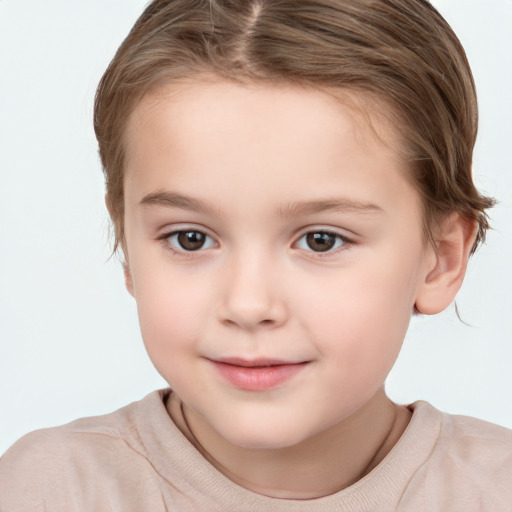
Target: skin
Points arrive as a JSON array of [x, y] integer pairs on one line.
[[266, 163]]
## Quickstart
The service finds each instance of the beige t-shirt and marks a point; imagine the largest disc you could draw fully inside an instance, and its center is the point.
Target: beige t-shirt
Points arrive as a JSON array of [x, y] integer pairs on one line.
[[137, 460]]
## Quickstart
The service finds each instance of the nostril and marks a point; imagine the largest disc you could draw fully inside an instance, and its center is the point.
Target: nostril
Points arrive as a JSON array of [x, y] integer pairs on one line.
[[251, 307], [250, 325]]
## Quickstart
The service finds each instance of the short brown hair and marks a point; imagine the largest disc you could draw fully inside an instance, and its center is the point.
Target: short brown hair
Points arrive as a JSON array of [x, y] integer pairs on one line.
[[399, 51]]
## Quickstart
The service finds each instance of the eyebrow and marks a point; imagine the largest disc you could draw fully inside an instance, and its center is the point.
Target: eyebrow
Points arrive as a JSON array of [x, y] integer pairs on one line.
[[339, 205], [175, 200]]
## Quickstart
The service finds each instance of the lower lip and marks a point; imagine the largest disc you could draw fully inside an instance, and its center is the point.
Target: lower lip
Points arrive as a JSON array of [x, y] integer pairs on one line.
[[258, 378]]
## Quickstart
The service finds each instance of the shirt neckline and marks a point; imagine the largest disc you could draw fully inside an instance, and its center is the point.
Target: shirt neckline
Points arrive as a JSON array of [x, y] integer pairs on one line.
[[177, 460]]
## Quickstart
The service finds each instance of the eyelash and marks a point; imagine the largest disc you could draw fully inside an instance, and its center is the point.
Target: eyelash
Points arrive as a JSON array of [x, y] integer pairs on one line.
[[343, 241], [166, 239]]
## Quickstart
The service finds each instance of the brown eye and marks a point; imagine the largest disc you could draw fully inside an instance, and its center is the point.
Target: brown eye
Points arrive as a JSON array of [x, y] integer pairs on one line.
[[189, 240], [321, 241]]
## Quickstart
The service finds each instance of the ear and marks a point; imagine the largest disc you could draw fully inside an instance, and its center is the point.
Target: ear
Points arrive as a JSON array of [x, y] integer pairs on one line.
[[128, 280], [445, 270], [126, 268]]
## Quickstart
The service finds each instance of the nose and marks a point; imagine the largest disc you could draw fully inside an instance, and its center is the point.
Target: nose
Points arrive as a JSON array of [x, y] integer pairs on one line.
[[252, 294]]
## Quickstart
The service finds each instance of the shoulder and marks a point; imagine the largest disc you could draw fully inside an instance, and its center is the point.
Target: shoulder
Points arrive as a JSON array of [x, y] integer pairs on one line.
[[56, 468], [476, 444], [469, 467]]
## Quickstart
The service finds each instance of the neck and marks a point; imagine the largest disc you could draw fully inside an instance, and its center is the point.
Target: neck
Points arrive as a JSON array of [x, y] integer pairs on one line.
[[321, 465]]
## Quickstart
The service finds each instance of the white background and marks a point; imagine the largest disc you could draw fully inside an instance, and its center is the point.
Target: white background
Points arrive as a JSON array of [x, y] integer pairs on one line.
[[70, 343]]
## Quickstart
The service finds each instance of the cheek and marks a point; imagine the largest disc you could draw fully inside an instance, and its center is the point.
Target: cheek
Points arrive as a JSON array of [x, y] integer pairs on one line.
[[361, 321], [170, 312]]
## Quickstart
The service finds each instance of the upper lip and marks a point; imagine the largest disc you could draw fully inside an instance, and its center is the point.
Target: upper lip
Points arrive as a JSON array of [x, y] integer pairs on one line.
[[239, 361]]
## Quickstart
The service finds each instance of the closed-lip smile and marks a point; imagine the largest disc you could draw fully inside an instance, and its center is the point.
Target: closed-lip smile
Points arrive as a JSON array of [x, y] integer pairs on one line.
[[261, 374]]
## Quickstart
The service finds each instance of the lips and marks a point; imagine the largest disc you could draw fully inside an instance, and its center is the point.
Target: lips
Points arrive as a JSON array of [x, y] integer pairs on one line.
[[257, 374]]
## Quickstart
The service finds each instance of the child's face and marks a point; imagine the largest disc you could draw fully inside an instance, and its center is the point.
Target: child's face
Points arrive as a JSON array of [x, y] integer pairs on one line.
[[269, 226]]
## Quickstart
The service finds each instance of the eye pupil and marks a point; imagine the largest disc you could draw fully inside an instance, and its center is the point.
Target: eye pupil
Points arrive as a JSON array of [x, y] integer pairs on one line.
[[191, 240], [320, 242]]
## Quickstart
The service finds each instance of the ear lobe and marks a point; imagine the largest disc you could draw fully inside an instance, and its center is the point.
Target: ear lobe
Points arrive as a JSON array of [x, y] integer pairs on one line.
[[128, 280], [443, 278]]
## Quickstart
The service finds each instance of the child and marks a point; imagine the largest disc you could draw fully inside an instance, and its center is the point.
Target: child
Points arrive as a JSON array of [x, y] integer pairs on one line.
[[289, 182]]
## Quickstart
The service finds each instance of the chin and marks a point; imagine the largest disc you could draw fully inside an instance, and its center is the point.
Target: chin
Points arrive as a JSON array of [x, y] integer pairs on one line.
[[260, 443], [263, 437]]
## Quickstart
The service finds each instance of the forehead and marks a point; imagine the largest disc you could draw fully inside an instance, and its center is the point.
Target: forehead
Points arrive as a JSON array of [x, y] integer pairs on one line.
[[220, 136], [201, 104]]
